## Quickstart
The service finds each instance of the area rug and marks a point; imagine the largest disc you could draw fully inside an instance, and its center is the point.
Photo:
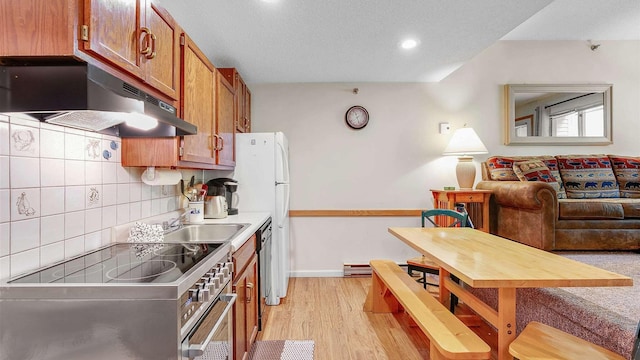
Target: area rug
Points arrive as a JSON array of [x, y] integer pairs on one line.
[[621, 300], [282, 350], [606, 316]]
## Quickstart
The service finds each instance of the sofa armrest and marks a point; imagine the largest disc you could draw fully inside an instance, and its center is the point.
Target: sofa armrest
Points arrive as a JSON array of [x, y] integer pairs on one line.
[[524, 211], [532, 195]]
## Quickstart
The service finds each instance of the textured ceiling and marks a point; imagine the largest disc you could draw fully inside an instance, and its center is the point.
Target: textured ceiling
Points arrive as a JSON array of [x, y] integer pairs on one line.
[[283, 41]]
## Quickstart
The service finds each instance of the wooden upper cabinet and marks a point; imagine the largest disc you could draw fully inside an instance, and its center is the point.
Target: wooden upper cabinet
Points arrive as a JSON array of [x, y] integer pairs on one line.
[[37, 28], [163, 69], [247, 109], [198, 103], [207, 101], [242, 99], [132, 39], [225, 121], [112, 30], [137, 37]]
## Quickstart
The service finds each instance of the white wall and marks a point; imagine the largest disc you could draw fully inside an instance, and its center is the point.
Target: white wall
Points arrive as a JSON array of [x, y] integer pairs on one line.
[[394, 161]]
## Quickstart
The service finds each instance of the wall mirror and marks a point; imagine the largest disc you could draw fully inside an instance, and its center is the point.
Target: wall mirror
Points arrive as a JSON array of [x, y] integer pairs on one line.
[[567, 114]]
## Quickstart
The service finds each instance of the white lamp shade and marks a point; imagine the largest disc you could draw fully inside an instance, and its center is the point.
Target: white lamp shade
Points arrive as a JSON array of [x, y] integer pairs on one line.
[[465, 141]]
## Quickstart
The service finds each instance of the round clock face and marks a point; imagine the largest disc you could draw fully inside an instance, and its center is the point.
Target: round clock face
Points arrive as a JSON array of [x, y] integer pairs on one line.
[[357, 117]]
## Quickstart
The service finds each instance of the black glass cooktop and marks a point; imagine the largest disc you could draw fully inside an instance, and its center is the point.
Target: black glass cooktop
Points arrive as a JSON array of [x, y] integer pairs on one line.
[[125, 263]]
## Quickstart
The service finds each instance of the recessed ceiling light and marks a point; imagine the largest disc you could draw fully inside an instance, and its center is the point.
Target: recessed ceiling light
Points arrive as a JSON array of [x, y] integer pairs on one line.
[[409, 44]]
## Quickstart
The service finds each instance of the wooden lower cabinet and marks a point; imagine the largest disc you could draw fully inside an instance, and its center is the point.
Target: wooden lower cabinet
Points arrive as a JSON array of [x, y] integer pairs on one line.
[[245, 285]]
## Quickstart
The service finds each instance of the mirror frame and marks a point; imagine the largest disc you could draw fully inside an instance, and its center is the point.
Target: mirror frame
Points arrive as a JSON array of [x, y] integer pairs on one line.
[[509, 118]]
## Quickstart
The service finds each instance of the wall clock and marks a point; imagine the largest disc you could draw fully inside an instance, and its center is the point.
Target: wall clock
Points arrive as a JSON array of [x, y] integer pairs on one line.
[[357, 117]]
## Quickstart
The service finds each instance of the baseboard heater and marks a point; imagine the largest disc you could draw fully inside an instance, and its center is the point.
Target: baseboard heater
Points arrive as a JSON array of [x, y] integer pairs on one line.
[[361, 270]]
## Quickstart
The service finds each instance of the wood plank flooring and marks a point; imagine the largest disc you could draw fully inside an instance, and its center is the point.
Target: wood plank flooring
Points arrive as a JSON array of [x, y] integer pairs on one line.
[[329, 311]]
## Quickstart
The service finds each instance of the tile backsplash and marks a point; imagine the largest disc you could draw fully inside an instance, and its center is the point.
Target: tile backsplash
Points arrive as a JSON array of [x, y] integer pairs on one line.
[[61, 191]]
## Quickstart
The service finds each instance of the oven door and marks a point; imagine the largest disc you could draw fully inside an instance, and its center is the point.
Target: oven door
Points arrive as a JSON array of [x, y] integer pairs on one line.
[[212, 337]]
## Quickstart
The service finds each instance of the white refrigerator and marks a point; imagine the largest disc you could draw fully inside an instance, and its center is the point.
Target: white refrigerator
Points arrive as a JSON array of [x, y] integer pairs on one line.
[[262, 172]]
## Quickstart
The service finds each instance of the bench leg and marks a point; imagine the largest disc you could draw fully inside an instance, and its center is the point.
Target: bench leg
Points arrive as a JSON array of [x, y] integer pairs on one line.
[[368, 302], [506, 321], [382, 300]]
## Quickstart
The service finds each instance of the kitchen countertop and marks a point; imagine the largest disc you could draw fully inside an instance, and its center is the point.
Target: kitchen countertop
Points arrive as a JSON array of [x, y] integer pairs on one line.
[[254, 219]]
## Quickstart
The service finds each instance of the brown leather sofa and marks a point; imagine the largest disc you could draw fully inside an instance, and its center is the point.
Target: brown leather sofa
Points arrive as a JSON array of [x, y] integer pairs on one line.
[[531, 213]]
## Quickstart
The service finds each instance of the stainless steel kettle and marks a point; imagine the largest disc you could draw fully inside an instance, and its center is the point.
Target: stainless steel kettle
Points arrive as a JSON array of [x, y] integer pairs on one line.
[[215, 207]]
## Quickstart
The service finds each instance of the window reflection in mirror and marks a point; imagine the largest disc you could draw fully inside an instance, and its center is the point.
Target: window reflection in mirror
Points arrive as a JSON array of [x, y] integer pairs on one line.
[[558, 114]]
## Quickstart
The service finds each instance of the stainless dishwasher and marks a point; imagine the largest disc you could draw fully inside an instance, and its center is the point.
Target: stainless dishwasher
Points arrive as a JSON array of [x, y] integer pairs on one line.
[[263, 249]]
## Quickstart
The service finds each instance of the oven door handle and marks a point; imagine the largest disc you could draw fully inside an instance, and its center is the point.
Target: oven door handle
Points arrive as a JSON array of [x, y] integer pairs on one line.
[[198, 349]]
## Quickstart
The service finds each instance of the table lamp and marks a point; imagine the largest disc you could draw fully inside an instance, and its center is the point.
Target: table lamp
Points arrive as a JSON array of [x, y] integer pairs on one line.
[[465, 142]]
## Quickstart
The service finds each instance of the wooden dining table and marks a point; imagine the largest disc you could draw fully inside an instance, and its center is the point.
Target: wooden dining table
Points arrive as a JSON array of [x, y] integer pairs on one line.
[[482, 260]]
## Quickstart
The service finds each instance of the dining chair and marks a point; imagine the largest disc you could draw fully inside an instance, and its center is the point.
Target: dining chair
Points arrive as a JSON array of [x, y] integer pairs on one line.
[[424, 265]]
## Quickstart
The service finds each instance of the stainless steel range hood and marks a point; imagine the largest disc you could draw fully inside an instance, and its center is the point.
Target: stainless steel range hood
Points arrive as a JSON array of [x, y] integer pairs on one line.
[[85, 97]]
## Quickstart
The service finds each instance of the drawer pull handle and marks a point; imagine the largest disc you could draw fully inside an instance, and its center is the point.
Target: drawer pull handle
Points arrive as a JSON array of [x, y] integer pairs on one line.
[[250, 292]]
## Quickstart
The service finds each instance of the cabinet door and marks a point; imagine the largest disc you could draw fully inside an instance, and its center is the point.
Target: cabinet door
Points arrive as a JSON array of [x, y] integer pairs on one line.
[[240, 337], [197, 102], [163, 64], [240, 98], [37, 28], [252, 302], [247, 110], [225, 121], [115, 32]]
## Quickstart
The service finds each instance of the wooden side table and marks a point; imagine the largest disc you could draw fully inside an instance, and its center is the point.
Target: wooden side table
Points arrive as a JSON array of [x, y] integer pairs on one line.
[[476, 203]]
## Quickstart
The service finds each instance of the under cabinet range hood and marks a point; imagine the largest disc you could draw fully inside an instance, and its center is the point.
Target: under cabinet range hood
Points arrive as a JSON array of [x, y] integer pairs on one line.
[[85, 97]]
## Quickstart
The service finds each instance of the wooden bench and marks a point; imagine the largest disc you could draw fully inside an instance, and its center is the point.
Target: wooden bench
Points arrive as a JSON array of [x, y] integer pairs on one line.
[[540, 341], [449, 338]]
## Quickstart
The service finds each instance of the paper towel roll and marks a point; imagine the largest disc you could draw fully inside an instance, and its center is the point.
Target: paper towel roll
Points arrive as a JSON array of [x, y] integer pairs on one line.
[[153, 176]]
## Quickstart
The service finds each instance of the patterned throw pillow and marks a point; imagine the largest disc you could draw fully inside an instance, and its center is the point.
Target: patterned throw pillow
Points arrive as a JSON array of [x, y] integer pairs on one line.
[[588, 176], [552, 164], [536, 170], [627, 171], [501, 167]]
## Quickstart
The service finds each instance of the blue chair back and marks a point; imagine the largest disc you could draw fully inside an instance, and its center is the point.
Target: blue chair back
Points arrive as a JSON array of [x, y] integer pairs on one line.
[[460, 219]]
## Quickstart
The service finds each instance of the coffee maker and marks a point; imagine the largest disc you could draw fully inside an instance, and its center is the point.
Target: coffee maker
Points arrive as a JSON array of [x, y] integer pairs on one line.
[[230, 187], [232, 196]]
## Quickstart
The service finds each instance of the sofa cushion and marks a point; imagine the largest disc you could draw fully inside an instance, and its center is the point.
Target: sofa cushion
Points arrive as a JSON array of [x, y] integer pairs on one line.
[[579, 209], [627, 171], [588, 176], [536, 170], [612, 208]]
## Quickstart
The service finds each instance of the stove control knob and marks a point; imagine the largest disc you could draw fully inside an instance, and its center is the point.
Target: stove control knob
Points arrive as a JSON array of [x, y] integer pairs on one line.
[[216, 283], [221, 278], [204, 294], [229, 265]]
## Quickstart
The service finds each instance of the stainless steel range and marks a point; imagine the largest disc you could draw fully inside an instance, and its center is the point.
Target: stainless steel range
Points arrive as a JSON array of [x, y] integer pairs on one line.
[[124, 301]]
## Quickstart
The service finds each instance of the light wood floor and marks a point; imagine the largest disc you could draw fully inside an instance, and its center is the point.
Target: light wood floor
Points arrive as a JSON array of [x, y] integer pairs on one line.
[[329, 311]]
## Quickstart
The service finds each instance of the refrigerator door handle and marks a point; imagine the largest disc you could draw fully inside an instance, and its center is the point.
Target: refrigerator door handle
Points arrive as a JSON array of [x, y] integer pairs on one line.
[[285, 162], [285, 208]]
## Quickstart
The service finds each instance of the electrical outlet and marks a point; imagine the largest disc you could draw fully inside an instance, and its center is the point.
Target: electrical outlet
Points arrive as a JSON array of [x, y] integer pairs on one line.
[[445, 128]]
